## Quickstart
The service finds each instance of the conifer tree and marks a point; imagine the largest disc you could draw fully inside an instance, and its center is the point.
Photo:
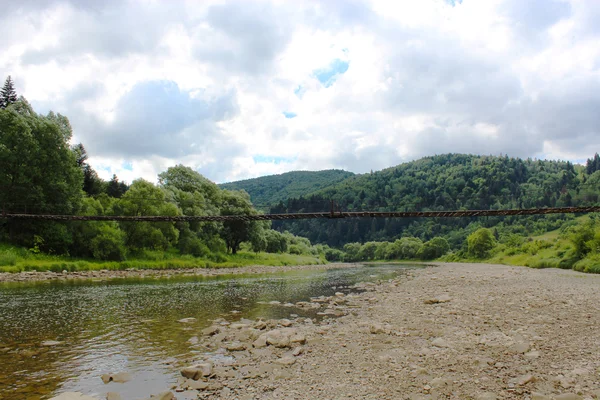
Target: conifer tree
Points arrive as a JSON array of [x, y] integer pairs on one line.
[[8, 95]]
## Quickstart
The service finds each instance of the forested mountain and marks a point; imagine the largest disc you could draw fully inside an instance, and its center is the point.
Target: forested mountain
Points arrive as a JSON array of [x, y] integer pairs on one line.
[[270, 190], [445, 182]]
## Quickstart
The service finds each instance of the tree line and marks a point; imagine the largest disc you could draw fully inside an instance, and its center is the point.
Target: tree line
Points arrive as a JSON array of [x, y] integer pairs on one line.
[[41, 173]]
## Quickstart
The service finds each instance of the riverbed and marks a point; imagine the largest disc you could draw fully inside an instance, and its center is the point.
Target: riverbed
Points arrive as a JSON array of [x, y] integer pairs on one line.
[[59, 335]]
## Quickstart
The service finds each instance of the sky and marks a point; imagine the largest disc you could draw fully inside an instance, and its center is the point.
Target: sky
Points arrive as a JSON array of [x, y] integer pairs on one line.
[[240, 89]]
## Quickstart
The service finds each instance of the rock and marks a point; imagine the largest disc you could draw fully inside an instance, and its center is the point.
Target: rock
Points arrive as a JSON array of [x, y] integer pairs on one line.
[[197, 371], [210, 331], [376, 328], [519, 347], [187, 320], [339, 294], [274, 303], [163, 396], [297, 351], [486, 396], [73, 396], [120, 377], [439, 342], [525, 379], [236, 346], [193, 340], [260, 325], [277, 338], [444, 298], [285, 322], [539, 396], [113, 396], [50, 343], [239, 326], [568, 396], [532, 354], [261, 341], [286, 360]]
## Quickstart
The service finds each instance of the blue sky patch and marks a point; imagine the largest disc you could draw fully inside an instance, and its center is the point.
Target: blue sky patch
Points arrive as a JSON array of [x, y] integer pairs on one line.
[[289, 114], [272, 159], [454, 2], [128, 166], [327, 76], [299, 91]]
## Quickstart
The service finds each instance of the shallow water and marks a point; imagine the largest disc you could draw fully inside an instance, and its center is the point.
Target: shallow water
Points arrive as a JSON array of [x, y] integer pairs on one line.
[[132, 325]]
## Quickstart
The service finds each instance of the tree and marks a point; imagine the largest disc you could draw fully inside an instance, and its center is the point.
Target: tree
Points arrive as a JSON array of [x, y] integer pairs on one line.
[[8, 95], [481, 242], [38, 173], [236, 232], [434, 248], [116, 189], [93, 185]]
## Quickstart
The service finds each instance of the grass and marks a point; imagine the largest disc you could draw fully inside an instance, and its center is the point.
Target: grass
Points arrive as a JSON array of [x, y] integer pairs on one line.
[[15, 259]]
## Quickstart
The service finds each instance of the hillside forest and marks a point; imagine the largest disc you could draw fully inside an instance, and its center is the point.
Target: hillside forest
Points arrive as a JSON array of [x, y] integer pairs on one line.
[[41, 172]]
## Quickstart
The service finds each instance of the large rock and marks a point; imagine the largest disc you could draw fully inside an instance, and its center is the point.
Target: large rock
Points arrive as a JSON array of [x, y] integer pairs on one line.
[[210, 331], [163, 396], [197, 371], [120, 377], [73, 396], [284, 337]]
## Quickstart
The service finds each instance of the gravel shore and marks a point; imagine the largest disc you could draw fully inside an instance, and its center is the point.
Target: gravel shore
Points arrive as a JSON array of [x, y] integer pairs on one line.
[[455, 331], [148, 273]]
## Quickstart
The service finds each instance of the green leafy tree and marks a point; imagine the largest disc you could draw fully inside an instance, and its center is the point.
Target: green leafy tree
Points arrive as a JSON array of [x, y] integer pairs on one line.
[[116, 189], [145, 199], [38, 174], [481, 242], [236, 232], [434, 248]]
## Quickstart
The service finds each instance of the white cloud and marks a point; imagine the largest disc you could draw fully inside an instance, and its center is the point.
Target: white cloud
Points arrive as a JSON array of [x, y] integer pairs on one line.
[[149, 84]]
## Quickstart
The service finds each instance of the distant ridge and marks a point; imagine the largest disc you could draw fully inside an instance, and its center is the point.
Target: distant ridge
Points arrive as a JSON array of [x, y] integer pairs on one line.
[[270, 190]]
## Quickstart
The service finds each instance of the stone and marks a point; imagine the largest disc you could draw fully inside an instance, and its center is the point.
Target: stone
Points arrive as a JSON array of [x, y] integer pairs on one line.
[[197, 371], [532, 355], [236, 346], [439, 342], [376, 328], [188, 320], [277, 338], [239, 326], [297, 351], [50, 343], [568, 396], [539, 396], [525, 379], [120, 377], [210, 331], [73, 396], [113, 396], [339, 294], [285, 322], [486, 396], [519, 347], [443, 298], [163, 396], [261, 341], [286, 360]]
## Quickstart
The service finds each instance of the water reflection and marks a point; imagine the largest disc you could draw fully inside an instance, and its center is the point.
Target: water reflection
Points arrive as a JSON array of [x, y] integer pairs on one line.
[[132, 325]]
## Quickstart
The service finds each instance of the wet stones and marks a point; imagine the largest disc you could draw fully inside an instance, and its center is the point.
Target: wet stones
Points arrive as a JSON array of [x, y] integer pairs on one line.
[[211, 330], [188, 320], [197, 371], [120, 377]]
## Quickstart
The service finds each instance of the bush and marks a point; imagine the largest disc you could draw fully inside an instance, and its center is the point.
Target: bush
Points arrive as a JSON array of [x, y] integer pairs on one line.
[[109, 245], [434, 248], [481, 242], [193, 246]]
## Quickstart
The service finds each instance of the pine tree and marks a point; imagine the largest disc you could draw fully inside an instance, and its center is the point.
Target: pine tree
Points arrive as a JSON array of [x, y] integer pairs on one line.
[[8, 95]]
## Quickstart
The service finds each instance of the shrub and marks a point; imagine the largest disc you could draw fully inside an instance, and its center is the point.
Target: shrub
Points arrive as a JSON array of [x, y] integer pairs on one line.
[[481, 242], [109, 245]]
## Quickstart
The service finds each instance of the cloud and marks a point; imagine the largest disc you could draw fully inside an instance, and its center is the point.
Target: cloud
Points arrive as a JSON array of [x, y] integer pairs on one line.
[[237, 89]]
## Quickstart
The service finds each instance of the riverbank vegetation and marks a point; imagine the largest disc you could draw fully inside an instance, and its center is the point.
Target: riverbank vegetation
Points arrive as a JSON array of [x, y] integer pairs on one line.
[[42, 173]]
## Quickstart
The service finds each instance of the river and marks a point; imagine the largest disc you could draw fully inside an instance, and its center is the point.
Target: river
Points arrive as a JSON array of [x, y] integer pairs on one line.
[[61, 336]]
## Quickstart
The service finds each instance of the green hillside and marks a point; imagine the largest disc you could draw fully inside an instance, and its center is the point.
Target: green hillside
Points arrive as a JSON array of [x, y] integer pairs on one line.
[[270, 190], [446, 182]]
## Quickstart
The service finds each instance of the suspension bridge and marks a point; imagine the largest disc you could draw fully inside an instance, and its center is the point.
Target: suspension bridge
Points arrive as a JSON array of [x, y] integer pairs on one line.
[[332, 214]]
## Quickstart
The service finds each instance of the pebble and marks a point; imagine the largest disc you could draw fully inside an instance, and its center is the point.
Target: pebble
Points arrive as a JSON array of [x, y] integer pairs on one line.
[[188, 320]]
